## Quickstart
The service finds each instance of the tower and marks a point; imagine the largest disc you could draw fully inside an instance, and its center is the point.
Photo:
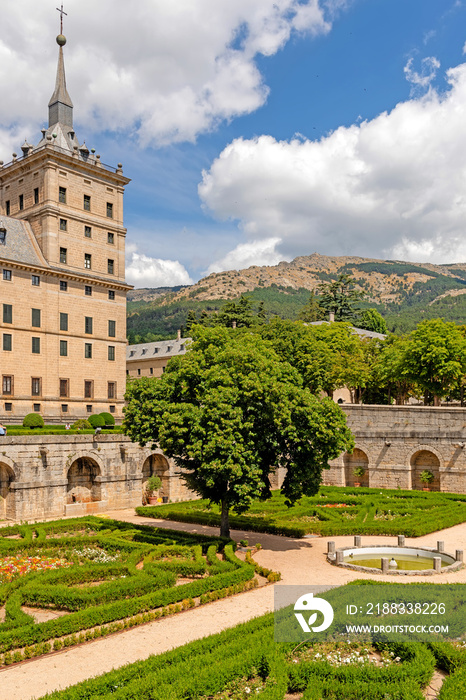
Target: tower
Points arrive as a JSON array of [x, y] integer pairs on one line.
[[62, 272]]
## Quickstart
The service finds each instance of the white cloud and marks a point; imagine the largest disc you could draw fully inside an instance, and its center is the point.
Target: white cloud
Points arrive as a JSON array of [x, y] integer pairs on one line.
[[143, 271], [391, 187], [165, 71], [261, 252], [423, 78]]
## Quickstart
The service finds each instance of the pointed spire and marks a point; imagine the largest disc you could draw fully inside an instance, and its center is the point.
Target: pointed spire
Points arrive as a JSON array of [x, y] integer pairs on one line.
[[60, 105]]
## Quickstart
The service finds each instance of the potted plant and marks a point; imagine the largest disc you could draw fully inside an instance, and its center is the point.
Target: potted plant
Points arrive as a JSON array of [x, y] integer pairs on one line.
[[426, 477], [152, 486], [358, 473]]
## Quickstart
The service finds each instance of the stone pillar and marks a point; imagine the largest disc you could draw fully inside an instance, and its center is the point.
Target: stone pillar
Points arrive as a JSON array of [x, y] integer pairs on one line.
[[357, 540], [330, 547], [440, 546], [385, 568], [459, 555], [339, 557], [437, 564], [401, 540]]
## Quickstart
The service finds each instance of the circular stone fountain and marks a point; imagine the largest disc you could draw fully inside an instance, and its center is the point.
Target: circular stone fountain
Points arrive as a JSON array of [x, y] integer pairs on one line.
[[396, 560]]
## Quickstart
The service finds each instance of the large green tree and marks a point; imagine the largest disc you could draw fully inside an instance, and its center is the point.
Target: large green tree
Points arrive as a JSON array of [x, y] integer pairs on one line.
[[229, 412], [435, 357], [341, 298]]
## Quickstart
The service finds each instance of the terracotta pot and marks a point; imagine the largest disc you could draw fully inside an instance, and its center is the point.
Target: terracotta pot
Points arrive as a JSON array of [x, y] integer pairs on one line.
[[357, 483], [425, 488], [152, 500]]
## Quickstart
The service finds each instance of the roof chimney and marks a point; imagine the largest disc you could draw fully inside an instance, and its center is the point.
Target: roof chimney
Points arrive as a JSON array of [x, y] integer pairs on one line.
[[178, 335], [331, 317]]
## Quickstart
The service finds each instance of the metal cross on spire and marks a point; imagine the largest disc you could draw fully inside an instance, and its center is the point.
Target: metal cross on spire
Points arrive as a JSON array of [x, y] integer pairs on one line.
[[60, 10]]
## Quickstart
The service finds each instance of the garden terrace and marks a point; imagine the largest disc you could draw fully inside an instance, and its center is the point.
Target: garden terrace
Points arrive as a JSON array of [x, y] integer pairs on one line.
[[333, 511], [246, 662], [70, 581]]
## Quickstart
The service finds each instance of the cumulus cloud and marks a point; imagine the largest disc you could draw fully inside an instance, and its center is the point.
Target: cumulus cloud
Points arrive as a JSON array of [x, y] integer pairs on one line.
[[390, 187], [262, 252], [144, 271], [423, 78], [164, 71]]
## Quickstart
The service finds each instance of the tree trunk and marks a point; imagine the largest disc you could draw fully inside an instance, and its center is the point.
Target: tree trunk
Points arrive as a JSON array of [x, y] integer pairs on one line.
[[225, 520]]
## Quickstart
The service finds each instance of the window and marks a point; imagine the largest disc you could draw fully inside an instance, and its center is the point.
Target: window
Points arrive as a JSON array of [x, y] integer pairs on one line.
[[109, 210], [88, 290], [139, 372], [63, 286], [151, 370], [7, 313], [7, 384], [111, 352], [35, 280], [144, 350], [88, 324], [35, 318], [63, 322], [36, 195], [87, 261], [2, 236], [62, 195], [35, 346], [63, 225], [111, 390], [110, 238], [88, 232], [87, 202], [7, 341], [111, 294], [89, 408], [64, 408], [64, 387], [156, 351], [36, 386], [7, 207], [63, 253], [7, 275], [112, 409], [87, 350], [110, 266], [88, 389], [112, 329], [36, 407], [8, 407], [63, 348], [21, 202]]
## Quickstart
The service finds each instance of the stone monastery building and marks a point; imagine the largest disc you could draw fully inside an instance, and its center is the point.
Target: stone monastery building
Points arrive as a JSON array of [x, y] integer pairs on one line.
[[62, 275]]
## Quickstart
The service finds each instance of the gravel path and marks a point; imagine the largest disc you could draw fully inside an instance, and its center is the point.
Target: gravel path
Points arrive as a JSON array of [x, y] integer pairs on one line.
[[300, 561]]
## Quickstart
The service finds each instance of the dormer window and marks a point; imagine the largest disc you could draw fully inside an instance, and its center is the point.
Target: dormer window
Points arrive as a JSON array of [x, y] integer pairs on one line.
[[156, 351], [144, 350], [169, 347], [2, 236], [132, 352]]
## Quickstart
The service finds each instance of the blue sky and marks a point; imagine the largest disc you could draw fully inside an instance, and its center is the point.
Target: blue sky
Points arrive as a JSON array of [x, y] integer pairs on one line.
[[257, 131]]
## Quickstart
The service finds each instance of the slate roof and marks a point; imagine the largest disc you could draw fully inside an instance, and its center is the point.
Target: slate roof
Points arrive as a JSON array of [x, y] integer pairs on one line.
[[159, 349], [19, 244]]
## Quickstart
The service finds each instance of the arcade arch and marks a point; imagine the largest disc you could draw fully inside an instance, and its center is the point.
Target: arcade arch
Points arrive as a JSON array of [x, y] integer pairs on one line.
[[82, 485], [425, 460], [157, 465], [357, 459]]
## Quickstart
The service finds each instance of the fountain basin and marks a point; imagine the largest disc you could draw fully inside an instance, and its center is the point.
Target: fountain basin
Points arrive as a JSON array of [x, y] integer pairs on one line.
[[395, 560]]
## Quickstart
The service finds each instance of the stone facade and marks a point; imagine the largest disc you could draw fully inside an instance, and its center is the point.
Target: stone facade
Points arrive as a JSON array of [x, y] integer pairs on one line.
[[394, 444], [150, 359], [62, 272]]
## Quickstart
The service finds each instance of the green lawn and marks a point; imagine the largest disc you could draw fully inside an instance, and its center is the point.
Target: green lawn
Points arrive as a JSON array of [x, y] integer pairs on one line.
[[333, 511]]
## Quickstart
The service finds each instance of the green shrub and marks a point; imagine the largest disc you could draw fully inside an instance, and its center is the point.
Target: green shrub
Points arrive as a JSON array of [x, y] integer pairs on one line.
[[33, 420], [96, 421], [108, 418], [81, 424]]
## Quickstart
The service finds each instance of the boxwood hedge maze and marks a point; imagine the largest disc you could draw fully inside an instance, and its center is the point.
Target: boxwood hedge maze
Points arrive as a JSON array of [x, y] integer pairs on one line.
[[71, 581]]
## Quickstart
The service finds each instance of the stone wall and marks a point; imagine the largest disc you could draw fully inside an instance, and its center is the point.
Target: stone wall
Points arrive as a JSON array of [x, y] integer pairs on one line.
[[394, 444], [55, 475]]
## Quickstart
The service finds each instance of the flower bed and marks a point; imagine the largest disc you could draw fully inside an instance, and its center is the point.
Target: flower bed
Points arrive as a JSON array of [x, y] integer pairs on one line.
[[105, 576], [333, 511]]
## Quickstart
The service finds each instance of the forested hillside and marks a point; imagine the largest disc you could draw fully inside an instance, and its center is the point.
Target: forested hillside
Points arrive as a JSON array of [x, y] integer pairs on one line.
[[404, 293]]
